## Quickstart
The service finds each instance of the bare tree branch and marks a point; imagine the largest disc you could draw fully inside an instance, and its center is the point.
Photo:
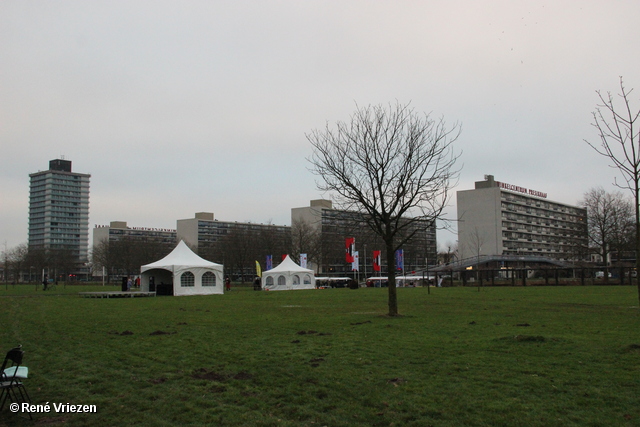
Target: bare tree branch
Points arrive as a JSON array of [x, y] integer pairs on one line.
[[620, 143], [393, 166]]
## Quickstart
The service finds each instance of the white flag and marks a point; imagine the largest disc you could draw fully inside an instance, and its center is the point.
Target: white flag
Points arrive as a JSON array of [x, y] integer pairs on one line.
[[355, 265]]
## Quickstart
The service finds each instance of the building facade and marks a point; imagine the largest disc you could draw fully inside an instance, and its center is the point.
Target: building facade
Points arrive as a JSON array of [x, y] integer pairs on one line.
[[59, 210], [120, 250], [236, 245], [332, 226], [118, 231], [497, 218]]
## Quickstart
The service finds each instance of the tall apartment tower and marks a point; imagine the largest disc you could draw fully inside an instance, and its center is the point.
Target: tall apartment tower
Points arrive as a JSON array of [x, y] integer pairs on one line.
[[59, 210]]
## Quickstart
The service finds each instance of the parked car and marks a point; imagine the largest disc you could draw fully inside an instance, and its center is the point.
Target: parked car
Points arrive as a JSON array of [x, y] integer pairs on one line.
[[600, 275]]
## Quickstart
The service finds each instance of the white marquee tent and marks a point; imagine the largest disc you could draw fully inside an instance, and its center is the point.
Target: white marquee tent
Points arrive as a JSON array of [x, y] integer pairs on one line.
[[182, 272], [288, 276]]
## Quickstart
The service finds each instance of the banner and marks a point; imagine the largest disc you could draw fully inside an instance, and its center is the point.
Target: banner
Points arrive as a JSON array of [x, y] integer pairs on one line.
[[269, 263], [350, 245], [400, 259], [303, 260], [355, 265], [284, 256], [376, 260]]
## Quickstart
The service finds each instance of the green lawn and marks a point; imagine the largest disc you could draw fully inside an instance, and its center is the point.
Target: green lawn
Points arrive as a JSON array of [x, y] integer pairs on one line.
[[524, 356]]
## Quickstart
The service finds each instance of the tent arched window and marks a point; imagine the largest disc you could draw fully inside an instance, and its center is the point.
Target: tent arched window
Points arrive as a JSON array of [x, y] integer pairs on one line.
[[187, 279], [208, 279], [307, 279], [269, 280], [282, 281], [296, 279]]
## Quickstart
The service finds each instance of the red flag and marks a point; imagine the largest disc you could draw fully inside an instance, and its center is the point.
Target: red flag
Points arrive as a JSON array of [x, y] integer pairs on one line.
[[284, 256], [350, 245], [376, 260]]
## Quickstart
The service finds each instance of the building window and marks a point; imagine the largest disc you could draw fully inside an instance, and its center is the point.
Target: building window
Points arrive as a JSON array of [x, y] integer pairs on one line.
[[208, 279], [187, 279]]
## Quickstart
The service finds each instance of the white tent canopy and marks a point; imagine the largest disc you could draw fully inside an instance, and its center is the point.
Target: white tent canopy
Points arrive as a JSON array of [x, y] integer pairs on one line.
[[182, 272], [287, 276]]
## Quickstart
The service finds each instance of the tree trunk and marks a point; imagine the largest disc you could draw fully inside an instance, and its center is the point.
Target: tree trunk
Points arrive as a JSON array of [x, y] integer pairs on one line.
[[637, 200], [391, 276]]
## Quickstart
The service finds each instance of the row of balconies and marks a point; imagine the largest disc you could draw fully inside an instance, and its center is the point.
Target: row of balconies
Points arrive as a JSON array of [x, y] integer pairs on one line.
[[61, 214], [514, 226], [543, 205], [562, 217], [526, 242], [53, 186]]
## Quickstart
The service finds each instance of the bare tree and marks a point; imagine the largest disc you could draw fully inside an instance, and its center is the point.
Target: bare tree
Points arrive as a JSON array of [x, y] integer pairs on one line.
[[126, 255], [609, 217], [305, 239], [447, 254], [393, 166], [623, 228], [476, 240], [100, 257], [15, 262], [617, 128]]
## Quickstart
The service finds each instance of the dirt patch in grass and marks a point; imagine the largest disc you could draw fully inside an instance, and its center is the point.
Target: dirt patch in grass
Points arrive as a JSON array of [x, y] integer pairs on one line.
[[210, 375], [315, 362], [243, 376], [312, 333], [633, 348], [529, 338], [524, 338], [205, 374], [217, 389], [161, 333], [123, 333]]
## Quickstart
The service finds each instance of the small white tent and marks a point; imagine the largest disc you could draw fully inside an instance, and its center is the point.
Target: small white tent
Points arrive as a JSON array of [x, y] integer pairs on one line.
[[287, 276], [182, 272]]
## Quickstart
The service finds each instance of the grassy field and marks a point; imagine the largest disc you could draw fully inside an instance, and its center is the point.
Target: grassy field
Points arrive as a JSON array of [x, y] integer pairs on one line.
[[524, 356]]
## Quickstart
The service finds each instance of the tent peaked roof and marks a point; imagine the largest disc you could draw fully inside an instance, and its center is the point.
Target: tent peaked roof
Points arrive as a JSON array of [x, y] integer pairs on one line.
[[288, 264], [181, 255]]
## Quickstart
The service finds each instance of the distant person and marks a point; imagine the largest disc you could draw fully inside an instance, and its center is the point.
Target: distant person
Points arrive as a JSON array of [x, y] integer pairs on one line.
[[45, 282], [227, 283], [256, 284], [129, 284]]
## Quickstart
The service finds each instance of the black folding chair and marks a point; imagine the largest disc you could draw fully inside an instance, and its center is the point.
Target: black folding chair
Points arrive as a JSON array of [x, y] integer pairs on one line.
[[11, 386]]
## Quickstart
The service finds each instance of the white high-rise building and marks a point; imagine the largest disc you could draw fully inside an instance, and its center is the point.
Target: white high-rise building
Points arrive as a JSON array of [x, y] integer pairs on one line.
[[59, 210], [497, 218]]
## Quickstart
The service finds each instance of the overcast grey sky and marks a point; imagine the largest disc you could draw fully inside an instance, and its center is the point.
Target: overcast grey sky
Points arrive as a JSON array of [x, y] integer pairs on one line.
[[182, 107]]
